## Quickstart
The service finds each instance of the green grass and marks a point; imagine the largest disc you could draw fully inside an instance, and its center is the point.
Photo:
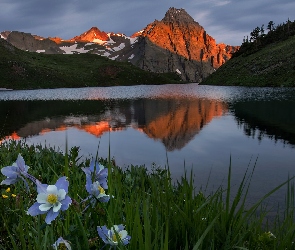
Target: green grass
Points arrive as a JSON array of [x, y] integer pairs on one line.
[[29, 70], [272, 65], [157, 213]]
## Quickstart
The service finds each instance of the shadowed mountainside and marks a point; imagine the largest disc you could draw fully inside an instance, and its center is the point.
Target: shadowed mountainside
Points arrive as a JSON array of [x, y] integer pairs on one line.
[[268, 60], [29, 70]]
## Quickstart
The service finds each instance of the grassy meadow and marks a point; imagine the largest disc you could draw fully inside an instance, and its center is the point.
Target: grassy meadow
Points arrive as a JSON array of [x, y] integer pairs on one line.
[[157, 212], [30, 70]]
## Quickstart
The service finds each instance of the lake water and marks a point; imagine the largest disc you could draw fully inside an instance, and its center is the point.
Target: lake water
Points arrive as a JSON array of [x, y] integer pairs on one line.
[[199, 127]]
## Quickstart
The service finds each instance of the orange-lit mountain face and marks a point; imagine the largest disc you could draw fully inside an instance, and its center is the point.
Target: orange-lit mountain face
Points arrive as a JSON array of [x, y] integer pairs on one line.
[[177, 43], [92, 35], [180, 34]]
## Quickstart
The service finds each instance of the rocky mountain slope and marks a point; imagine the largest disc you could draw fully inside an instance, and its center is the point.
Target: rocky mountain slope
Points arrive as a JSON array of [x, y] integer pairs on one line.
[[175, 44], [178, 43]]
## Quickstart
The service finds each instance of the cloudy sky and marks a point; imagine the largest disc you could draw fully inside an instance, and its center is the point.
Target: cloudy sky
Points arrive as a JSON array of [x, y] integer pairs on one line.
[[227, 21]]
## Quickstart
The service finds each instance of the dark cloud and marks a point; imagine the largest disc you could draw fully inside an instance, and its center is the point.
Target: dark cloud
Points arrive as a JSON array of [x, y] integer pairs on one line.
[[227, 21]]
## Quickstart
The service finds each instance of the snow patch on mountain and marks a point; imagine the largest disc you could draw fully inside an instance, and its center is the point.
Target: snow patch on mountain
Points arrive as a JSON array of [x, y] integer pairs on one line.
[[121, 46], [5, 34], [101, 42], [114, 58], [133, 40], [178, 71], [107, 54], [73, 49]]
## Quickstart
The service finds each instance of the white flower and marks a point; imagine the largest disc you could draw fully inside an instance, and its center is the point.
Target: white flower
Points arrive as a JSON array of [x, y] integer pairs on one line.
[[51, 198], [61, 242], [109, 236], [98, 192]]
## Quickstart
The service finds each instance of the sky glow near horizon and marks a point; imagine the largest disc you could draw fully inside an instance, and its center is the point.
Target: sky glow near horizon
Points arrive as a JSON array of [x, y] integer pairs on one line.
[[226, 21]]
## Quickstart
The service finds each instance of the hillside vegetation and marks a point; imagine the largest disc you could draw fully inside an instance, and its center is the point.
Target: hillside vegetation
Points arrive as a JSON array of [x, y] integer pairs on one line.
[[265, 60], [29, 70]]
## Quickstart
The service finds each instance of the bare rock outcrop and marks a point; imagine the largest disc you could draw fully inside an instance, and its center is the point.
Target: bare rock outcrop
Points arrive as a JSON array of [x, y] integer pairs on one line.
[[178, 43]]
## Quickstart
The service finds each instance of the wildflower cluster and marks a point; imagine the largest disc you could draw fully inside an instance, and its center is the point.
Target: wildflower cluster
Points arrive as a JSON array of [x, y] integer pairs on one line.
[[54, 199], [7, 194]]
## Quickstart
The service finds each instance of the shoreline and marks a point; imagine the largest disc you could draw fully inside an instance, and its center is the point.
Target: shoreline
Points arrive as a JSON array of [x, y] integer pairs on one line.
[[5, 89]]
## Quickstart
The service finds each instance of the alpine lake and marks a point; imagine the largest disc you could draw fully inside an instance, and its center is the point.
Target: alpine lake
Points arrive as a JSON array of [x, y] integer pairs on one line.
[[187, 127]]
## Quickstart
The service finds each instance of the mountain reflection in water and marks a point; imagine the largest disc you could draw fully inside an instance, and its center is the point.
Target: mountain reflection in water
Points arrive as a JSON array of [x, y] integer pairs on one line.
[[173, 122], [199, 127]]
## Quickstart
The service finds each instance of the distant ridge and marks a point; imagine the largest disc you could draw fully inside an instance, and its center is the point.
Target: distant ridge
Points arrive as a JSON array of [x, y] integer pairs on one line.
[[177, 43]]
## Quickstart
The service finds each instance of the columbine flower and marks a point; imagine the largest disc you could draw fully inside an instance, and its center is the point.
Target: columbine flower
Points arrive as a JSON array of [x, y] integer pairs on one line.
[[96, 192], [96, 182], [51, 199], [17, 171], [61, 244], [96, 172], [110, 236], [4, 196]]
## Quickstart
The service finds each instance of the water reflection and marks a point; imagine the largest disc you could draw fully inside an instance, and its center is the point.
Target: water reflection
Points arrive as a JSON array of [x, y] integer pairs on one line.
[[202, 126], [174, 122], [274, 119]]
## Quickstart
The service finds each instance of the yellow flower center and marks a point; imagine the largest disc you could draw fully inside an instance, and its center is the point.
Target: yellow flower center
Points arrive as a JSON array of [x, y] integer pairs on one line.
[[114, 238], [101, 190], [13, 195], [7, 190], [62, 246], [4, 196], [52, 198]]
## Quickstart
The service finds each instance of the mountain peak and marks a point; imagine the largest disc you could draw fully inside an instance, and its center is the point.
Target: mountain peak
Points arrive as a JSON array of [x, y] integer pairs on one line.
[[178, 15], [93, 35]]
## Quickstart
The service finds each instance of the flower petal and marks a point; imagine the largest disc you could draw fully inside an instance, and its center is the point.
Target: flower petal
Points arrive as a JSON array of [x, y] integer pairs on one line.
[[86, 171], [34, 210], [41, 188], [51, 216], [126, 240], [61, 194], [120, 227], [88, 184], [103, 233], [45, 207], [9, 181], [10, 171], [65, 203], [123, 234], [52, 189], [20, 162], [57, 207], [62, 183], [91, 167], [42, 198]]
